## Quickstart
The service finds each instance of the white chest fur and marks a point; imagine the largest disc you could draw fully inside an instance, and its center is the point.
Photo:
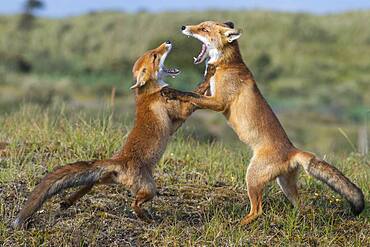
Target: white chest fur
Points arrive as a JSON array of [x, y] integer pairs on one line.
[[212, 86], [212, 82], [214, 55]]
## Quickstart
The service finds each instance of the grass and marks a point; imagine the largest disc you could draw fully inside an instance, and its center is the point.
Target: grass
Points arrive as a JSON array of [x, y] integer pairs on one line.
[[202, 194], [318, 62]]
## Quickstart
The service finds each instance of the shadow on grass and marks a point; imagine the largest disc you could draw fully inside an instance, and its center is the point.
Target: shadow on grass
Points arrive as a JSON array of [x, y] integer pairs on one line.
[[105, 213]]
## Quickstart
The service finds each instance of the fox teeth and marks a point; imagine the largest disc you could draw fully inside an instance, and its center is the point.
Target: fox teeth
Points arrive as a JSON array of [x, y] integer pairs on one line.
[[195, 59]]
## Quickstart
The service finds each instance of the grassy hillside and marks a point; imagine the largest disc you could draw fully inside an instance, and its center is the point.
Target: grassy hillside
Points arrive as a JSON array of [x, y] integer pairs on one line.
[[202, 194], [56, 107], [315, 62]]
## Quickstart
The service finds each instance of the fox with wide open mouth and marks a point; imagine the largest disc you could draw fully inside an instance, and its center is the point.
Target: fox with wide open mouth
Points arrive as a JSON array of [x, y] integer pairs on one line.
[[234, 93], [154, 68], [214, 36], [156, 119]]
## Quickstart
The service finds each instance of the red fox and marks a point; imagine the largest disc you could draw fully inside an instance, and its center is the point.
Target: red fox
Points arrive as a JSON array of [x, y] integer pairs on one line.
[[156, 120], [234, 92]]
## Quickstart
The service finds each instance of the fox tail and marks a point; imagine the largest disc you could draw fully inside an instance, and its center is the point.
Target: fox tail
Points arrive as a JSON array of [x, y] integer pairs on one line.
[[331, 176], [71, 175]]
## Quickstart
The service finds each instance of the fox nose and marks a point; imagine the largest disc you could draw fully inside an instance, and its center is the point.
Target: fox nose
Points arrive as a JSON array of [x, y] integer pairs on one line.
[[183, 28], [168, 42]]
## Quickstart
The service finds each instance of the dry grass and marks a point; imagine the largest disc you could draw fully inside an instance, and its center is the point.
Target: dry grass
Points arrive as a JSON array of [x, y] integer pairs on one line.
[[201, 198]]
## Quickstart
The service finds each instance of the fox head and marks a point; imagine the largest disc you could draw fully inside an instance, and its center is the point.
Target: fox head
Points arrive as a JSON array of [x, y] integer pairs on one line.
[[215, 37], [150, 67]]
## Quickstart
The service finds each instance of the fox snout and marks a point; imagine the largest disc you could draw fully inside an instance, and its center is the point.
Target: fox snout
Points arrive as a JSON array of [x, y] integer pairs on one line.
[[168, 44], [164, 47], [186, 30]]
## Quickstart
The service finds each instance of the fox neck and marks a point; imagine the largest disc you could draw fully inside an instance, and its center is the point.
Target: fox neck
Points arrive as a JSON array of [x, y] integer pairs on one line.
[[229, 54], [162, 83], [150, 87]]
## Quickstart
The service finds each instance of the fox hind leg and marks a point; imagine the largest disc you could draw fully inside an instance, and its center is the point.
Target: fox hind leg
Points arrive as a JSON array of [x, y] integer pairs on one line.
[[288, 184], [69, 201], [144, 194], [255, 198], [258, 175]]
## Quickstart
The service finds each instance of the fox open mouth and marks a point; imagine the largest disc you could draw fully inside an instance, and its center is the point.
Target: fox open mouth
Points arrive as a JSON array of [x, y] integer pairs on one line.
[[167, 71], [202, 55], [204, 51], [171, 71]]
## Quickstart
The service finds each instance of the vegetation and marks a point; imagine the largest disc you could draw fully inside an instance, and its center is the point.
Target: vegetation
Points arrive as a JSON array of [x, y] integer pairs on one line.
[[56, 106], [202, 194], [27, 18], [319, 63], [312, 69]]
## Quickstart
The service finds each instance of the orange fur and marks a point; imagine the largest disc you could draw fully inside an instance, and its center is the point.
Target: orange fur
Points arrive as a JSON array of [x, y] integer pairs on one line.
[[236, 95], [156, 120]]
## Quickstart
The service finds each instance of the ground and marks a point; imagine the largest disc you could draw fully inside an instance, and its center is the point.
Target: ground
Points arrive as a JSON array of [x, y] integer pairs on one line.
[[202, 194]]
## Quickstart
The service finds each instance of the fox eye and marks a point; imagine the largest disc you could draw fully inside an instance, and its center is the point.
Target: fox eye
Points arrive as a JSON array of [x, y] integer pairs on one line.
[[204, 30]]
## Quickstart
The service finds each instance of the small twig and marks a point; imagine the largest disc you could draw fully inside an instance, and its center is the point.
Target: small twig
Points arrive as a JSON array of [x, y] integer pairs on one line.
[[113, 99], [347, 138]]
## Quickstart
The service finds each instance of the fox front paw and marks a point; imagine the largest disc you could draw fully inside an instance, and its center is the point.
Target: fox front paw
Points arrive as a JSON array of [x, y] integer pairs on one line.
[[169, 93]]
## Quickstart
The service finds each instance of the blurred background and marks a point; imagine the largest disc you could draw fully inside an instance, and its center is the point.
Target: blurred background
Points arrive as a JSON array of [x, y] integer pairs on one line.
[[310, 58]]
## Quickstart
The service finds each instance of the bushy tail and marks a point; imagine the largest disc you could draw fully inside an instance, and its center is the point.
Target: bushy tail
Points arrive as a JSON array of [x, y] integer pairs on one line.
[[71, 175], [328, 174]]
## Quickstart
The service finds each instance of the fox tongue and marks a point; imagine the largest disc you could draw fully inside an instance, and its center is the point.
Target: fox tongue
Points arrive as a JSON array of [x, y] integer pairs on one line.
[[201, 56]]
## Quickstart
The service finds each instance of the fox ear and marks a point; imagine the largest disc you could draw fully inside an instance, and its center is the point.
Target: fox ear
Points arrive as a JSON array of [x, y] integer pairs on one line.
[[232, 35], [230, 24], [142, 77]]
